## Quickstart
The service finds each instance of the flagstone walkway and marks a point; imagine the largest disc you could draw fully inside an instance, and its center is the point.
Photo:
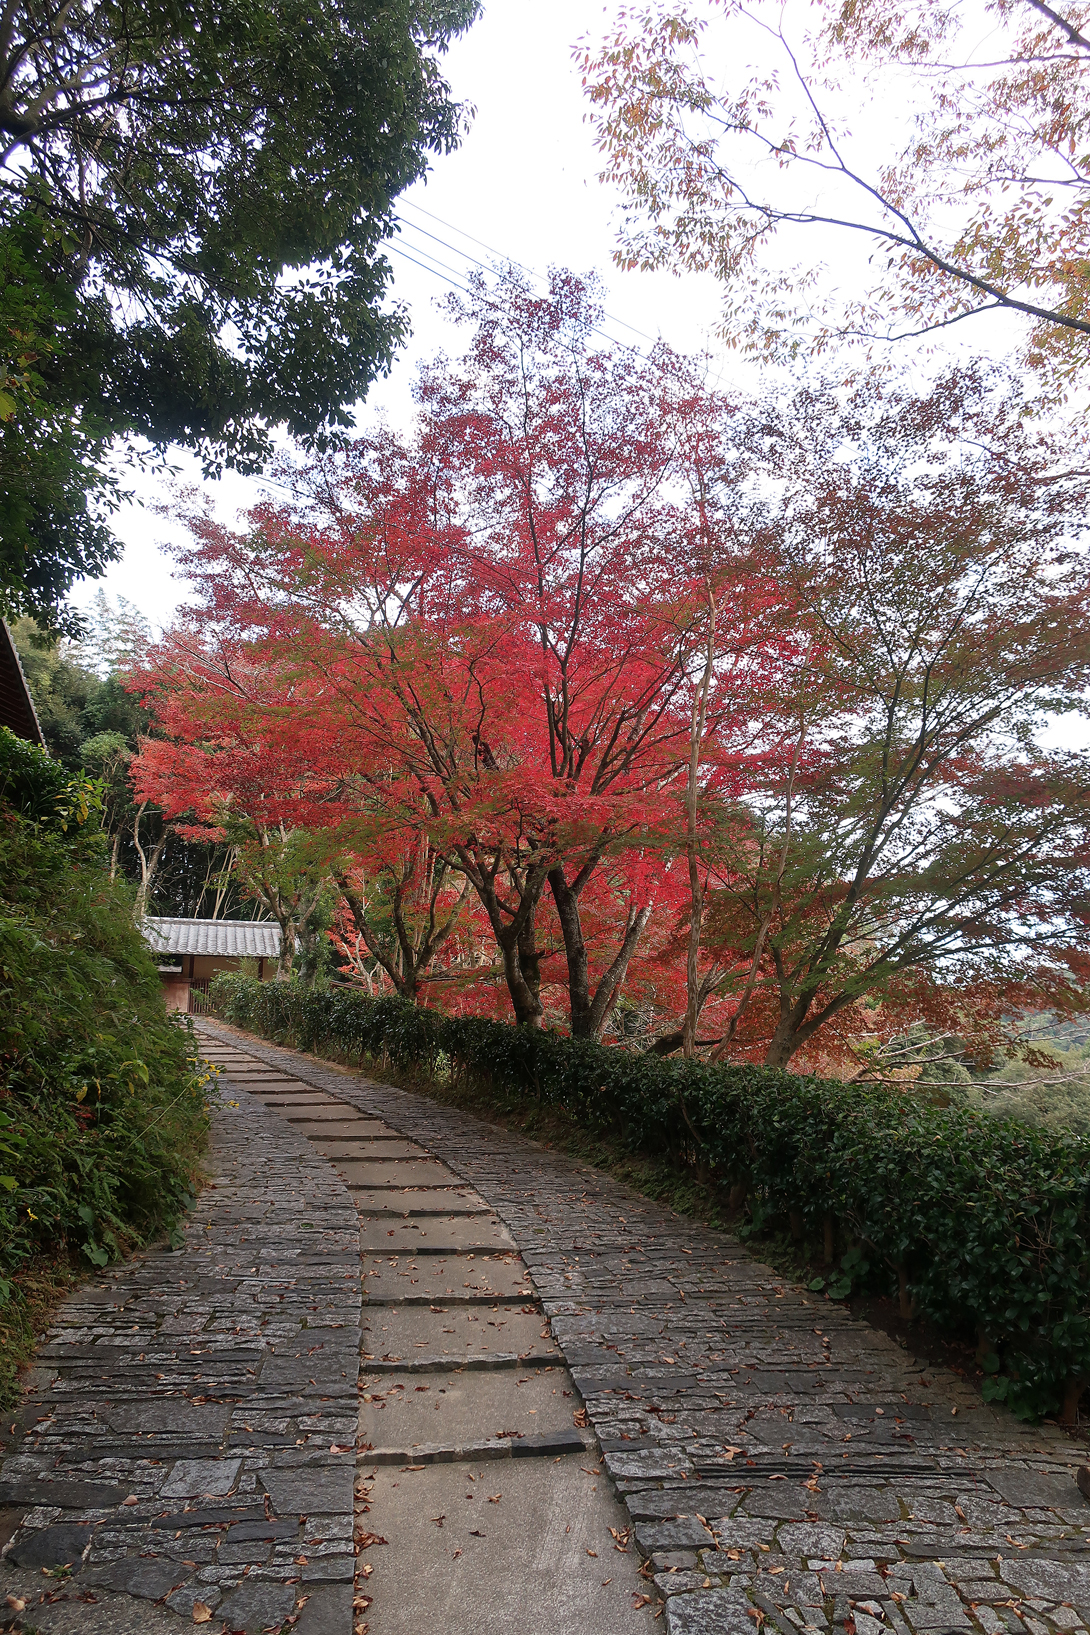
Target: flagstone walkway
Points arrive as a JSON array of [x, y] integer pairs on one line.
[[197, 1417]]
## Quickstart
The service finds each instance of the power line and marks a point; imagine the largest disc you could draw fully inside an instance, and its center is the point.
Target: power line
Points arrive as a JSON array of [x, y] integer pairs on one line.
[[465, 290], [398, 250], [512, 260]]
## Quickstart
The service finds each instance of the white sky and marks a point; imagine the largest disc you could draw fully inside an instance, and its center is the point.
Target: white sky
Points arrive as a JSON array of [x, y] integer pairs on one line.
[[524, 183]]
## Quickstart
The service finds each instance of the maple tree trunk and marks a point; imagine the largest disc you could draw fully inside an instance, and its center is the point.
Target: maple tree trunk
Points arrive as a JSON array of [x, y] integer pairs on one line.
[[575, 950], [516, 939], [525, 989], [692, 838], [589, 1011], [783, 1045]]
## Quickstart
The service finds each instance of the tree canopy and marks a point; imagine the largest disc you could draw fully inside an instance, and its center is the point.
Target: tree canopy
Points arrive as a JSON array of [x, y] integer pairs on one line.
[[695, 695], [193, 201], [940, 165]]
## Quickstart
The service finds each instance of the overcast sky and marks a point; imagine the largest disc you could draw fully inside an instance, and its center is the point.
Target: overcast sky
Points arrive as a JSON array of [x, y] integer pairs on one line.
[[523, 186]]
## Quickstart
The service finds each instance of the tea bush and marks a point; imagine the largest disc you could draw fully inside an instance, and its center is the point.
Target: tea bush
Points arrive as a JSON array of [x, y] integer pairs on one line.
[[980, 1224]]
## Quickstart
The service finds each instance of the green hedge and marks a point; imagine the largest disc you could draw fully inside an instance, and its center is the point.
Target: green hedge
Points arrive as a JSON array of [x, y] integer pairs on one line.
[[981, 1225], [103, 1109]]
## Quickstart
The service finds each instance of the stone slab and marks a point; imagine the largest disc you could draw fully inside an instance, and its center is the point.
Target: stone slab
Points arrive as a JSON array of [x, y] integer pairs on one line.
[[435, 1279], [417, 1201], [55, 1546], [412, 1332], [709, 1612], [1038, 1489], [386, 1172], [401, 1410], [351, 1148], [481, 1234], [522, 1563]]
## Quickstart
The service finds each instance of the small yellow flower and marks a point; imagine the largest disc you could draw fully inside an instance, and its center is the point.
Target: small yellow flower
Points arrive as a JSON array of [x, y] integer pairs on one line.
[[32, 1215]]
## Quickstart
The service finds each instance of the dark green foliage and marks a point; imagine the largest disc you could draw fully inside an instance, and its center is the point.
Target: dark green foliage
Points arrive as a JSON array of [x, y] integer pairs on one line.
[[191, 228], [102, 1113], [31, 784], [55, 487], [984, 1223], [73, 703]]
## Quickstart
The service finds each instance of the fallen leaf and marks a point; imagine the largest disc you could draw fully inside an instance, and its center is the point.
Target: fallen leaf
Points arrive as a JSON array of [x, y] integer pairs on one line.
[[475, 1534], [606, 1581], [201, 1612], [132, 1499], [16, 1603], [580, 1418], [365, 1569], [640, 1601], [494, 1498], [593, 1554], [365, 1540], [439, 1520]]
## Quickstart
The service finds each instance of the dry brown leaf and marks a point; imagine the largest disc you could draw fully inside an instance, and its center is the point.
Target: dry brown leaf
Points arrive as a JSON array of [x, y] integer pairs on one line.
[[580, 1418], [201, 1612]]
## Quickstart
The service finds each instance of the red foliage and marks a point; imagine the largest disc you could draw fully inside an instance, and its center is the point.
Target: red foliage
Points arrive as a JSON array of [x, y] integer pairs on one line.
[[471, 659]]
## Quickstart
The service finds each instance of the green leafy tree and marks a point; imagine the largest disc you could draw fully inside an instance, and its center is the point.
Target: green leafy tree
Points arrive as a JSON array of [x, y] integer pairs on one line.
[[193, 201], [93, 724], [56, 489]]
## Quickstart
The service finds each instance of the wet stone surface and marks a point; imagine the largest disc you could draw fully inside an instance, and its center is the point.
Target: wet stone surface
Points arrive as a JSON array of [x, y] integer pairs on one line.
[[784, 1465]]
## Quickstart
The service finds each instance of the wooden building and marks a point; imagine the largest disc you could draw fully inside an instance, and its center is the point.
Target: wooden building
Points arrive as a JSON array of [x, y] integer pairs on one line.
[[17, 710], [192, 952]]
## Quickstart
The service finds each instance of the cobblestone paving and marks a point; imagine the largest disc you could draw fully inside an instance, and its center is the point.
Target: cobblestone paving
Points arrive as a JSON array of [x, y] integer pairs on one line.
[[782, 1464], [457, 1375], [193, 1415]]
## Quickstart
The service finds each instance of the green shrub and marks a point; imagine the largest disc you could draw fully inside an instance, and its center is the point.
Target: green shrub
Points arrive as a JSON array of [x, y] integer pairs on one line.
[[981, 1223], [102, 1109]]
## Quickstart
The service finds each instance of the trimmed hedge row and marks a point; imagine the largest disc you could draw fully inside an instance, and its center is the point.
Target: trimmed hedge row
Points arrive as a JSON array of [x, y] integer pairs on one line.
[[981, 1225]]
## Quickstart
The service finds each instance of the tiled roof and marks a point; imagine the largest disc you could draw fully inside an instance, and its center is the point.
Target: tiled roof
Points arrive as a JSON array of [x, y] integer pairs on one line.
[[228, 939], [16, 705]]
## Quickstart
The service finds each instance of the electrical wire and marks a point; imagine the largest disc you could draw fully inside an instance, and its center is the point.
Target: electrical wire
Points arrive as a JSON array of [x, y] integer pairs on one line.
[[485, 267]]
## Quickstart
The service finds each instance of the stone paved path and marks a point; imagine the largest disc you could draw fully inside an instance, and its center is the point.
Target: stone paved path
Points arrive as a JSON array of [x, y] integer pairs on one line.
[[781, 1464], [194, 1413]]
